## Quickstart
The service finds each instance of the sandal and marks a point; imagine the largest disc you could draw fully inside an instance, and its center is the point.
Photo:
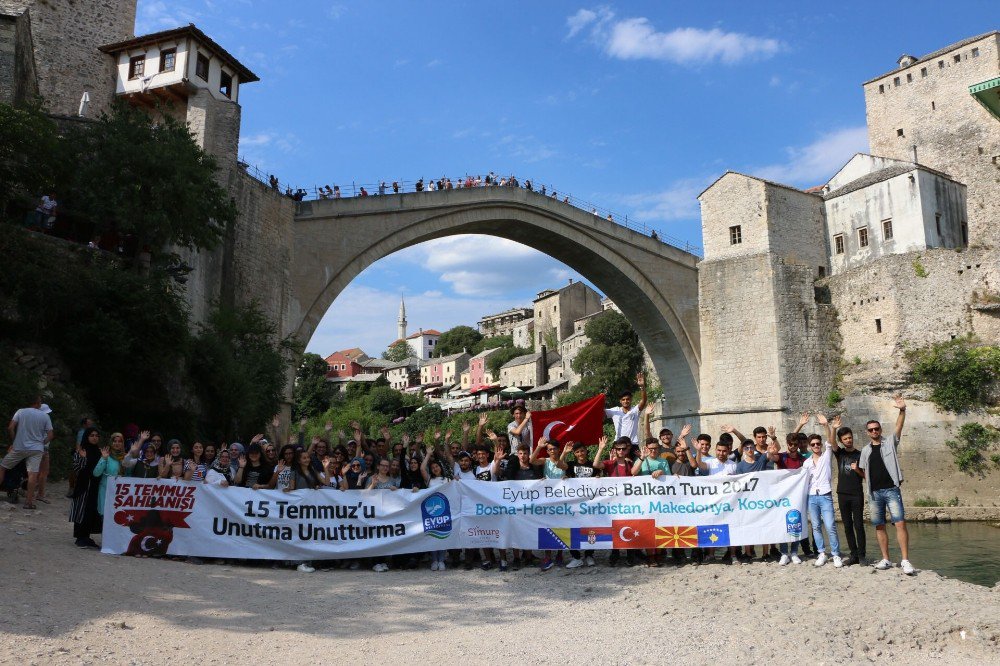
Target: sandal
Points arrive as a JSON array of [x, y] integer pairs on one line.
[[28, 506]]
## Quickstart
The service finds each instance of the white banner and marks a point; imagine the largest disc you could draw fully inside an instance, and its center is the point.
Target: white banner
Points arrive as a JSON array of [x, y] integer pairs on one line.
[[151, 517]]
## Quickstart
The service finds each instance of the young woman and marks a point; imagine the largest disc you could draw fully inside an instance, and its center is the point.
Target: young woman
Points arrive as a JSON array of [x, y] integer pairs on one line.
[[332, 466], [270, 453], [169, 461], [107, 467], [210, 453], [396, 472], [223, 467], [253, 471], [304, 477], [553, 467], [433, 475], [117, 448], [141, 461], [198, 465], [281, 479], [412, 478], [382, 481], [355, 474], [83, 512]]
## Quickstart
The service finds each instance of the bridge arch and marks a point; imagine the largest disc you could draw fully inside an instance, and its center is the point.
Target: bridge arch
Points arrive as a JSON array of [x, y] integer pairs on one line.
[[655, 285]]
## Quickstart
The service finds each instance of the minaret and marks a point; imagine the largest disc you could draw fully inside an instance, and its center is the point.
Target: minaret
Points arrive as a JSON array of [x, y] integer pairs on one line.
[[401, 322]]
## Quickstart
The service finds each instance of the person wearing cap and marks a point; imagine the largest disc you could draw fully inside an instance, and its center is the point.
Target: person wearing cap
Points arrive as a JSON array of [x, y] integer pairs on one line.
[[30, 431]]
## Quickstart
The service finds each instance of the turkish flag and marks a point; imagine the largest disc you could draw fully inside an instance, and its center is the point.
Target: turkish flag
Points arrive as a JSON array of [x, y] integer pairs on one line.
[[581, 421], [640, 533]]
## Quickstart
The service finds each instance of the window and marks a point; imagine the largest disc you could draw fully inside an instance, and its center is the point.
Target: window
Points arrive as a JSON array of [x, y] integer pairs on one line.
[[226, 84], [957, 57], [878, 325], [975, 53], [822, 271], [735, 235], [137, 66], [965, 233], [168, 60], [909, 78], [555, 308], [881, 88], [343, 366], [937, 223], [940, 64], [201, 67], [887, 229], [923, 72], [933, 106], [838, 244], [895, 81], [899, 132], [863, 237]]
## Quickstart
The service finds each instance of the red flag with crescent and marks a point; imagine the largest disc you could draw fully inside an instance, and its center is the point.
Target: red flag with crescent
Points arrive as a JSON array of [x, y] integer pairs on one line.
[[638, 533], [581, 421]]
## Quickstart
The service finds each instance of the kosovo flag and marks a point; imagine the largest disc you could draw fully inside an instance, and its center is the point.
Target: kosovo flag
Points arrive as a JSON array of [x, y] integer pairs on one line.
[[713, 536]]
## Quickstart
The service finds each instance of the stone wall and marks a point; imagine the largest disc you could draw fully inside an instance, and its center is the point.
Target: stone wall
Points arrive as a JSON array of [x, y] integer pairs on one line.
[[18, 81], [66, 35], [930, 102]]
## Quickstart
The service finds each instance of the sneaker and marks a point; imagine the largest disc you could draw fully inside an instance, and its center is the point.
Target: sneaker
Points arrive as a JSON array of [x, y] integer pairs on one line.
[[730, 560], [796, 559], [441, 566], [590, 561], [820, 561], [486, 565], [82, 543], [907, 568], [547, 564], [883, 564], [850, 561], [784, 560], [574, 563], [837, 562], [503, 565], [381, 567], [434, 566], [304, 568]]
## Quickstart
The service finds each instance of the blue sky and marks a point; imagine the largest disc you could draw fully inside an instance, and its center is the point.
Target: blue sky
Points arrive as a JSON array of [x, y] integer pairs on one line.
[[635, 107]]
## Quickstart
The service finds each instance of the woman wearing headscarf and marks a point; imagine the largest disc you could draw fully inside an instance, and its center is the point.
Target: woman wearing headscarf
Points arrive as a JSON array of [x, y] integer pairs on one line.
[[109, 465], [83, 511]]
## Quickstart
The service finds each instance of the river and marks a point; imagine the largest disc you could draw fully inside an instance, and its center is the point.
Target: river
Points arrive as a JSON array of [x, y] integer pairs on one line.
[[964, 550]]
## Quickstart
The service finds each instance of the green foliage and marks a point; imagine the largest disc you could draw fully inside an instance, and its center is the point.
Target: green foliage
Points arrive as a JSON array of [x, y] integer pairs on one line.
[[974, 440], [492, 343], [385, 400], [457, 339], [400, 350], [356, 390], [313, 393], [609, 362], [857, 360], [29, 147], [425, 419], [551, 340], [239, 370], [495, 361], [147, 178], [962, 373], [919, 270], [834, 398], [933, 501]]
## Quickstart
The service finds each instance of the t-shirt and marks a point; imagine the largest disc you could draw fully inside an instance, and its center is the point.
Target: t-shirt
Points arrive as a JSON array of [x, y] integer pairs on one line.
[[848, 481], [468, 476], [878, 475], [626, 423], [259, 475], [552, 471], [524, 438], [33, 426], [650, 465], [614, 468], [788, 462], [584, 470], [682, 468], [759, 463], [436, 481], [524, 474], [484, 473], [284, 479], [716, 467]]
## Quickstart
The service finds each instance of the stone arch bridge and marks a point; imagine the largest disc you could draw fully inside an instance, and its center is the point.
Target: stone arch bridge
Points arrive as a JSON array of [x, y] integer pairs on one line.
[[654, 284]]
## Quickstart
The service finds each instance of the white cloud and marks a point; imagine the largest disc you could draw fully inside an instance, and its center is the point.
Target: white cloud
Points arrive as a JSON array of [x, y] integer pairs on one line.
[[678, 201], [637, 39], [155, 15], [818, 161], [526, 148]]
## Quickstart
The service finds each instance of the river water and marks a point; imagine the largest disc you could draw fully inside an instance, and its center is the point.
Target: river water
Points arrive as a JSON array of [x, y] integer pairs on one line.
[[967, 551]]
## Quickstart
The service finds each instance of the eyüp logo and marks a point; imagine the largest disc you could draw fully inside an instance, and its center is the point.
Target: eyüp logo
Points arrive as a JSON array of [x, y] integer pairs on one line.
[[793, 523], [436, 513]]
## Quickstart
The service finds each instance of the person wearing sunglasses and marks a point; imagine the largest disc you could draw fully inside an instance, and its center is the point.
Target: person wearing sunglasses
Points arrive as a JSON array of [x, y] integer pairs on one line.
[[819, 471], [619, 464], [880, 465]]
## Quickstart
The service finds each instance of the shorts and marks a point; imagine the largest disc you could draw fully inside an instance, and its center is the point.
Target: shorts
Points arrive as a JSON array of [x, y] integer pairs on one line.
[[14, 458], [891, 499]]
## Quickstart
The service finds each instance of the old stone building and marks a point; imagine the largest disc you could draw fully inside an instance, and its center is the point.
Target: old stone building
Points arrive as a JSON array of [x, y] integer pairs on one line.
[[503, 323], [557, 309]]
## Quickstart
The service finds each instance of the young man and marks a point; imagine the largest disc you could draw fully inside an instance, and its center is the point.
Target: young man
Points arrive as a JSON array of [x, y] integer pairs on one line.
[[625, 417], [880, 465], [30, 430], [521, 469], [580, 468], [666, 436], [650, 464], [617, 466], [708, 465], [821, 495], [519, 430], [850, 491], [553, 467]]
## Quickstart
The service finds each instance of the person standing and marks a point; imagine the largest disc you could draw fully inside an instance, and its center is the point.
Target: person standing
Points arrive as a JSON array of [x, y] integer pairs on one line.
[[850, 491], [625, 417], [83, 512], [30, 431], [519, 430], [817, 467], [880, 464]]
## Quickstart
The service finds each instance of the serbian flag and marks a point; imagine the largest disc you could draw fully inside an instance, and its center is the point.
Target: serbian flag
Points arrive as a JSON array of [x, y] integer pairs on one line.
[[578, 422]]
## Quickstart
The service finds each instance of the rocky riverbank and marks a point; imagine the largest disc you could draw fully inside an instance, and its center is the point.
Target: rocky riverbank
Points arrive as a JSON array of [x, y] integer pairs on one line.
[[66, 605]]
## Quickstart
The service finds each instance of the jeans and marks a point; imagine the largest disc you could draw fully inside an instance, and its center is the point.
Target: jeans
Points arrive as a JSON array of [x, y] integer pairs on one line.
[[789, 548], [852, 509], [821, 508], [890, 499]]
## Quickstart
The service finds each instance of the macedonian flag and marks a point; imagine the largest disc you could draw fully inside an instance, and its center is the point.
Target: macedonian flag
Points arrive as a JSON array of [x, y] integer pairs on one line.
[[676, 537]]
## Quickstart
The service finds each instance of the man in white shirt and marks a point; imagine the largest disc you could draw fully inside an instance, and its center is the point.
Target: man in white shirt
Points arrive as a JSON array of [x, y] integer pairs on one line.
[[819, 470], [626, 417], [30, 430]]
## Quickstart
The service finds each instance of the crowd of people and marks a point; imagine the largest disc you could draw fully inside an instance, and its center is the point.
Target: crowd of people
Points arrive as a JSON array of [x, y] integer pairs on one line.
[[342, 463]]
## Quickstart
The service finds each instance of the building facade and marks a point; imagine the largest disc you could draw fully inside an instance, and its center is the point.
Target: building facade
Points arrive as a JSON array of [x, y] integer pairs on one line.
[[555, 310], [503, 323]]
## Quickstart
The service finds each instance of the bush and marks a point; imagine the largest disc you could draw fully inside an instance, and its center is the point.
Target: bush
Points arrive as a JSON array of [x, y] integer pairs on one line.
[[962, 373], [974, 439], [834, 398], [385, 400]]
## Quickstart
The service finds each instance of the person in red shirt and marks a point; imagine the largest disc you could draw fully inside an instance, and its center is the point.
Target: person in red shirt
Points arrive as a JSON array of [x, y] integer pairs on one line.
[[619, 464]]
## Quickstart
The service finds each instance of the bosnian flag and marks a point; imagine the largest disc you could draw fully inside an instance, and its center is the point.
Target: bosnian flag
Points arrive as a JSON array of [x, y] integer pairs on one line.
[[577, 422]]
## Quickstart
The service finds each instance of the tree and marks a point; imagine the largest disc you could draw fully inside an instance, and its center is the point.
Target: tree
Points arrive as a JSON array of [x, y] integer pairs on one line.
[[148, 179], [457, 339], [29, 163], [313, 392], [505, 354], [492, 343], [398, 351], [385, 400], [239, 368], [610, 361]]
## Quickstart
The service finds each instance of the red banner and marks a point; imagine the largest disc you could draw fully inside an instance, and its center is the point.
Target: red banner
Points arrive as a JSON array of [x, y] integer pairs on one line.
[[577, 422]]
